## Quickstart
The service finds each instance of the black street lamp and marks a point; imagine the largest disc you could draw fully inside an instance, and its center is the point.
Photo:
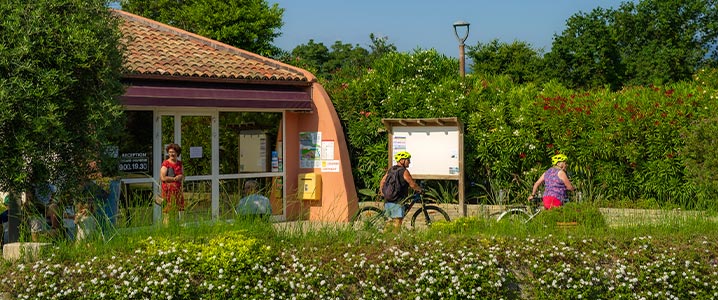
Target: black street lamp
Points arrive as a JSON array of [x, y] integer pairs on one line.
[[460, 25]]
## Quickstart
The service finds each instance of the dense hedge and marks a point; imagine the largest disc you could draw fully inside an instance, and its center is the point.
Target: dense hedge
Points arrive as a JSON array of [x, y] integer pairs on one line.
[[626, 145]]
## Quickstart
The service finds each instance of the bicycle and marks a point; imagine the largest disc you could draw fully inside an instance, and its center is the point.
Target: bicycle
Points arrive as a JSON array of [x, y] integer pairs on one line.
[[520, 213], [424, 216], [525, 213]]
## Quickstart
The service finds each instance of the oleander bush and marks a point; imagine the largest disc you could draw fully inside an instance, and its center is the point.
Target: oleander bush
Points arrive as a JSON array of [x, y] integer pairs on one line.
[[628, 146]]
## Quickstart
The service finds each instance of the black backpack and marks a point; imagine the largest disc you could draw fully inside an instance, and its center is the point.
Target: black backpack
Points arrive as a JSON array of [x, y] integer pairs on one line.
[[392, 186]]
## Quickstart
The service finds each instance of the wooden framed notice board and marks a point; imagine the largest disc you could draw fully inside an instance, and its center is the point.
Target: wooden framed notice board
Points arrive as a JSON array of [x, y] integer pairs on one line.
[[436, 146]]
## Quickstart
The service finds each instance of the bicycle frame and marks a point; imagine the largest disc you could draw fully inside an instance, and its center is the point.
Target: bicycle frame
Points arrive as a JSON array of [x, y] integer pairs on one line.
[[411, 200], [525, 212]]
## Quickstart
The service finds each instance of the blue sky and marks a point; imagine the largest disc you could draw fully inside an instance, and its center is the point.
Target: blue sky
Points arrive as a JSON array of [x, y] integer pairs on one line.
[[412, 24]]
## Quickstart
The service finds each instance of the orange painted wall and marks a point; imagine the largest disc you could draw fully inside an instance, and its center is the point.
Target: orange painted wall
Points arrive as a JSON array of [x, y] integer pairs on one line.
[[339, 197]]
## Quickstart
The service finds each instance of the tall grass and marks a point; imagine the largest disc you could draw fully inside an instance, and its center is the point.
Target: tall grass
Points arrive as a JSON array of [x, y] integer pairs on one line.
[[572, 219]]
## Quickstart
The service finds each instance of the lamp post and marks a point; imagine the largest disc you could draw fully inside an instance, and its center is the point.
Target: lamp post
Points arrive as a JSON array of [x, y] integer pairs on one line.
[[459, 25]]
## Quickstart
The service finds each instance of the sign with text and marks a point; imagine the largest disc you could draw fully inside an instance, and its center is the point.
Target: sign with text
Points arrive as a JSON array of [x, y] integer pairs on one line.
[[135, 162]]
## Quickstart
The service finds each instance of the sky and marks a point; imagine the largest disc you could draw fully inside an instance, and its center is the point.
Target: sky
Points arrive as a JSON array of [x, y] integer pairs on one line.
[[423, 24]]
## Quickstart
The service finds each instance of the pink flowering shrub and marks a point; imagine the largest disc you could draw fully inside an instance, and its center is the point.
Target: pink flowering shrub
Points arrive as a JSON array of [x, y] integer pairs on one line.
[[624, 145]]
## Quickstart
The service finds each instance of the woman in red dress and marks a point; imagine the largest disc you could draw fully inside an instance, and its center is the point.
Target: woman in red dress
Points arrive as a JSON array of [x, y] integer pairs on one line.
[[171, 175]]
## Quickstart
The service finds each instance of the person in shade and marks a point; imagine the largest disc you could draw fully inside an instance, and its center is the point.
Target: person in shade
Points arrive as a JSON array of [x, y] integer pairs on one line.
[[172, 175], [253, 203]]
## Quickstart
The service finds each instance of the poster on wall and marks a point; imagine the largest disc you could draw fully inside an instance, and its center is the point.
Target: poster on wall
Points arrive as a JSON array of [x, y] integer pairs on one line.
[[398, 144], [327, 150], [330, 166], [309, 150], [195, 152]]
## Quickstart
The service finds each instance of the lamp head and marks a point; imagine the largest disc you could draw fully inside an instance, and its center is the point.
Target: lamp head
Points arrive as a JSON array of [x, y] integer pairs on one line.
[[460, 25]]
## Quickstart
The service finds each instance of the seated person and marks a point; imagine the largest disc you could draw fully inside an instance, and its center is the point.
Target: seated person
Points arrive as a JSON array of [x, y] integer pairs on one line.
[[85, 213], [48, 221], [68, 218], [85, 220], [253, 203]]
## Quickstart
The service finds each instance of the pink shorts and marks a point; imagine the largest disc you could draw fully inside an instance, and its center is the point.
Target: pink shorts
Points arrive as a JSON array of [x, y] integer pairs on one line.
[[550, 202]]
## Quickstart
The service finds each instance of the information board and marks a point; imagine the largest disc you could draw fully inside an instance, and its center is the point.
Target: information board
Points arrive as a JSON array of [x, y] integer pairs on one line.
[[436, 146], [434, 149]]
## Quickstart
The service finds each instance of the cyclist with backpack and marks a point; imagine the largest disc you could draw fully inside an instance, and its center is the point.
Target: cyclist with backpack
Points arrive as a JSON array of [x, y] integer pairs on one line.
[[394, 187]]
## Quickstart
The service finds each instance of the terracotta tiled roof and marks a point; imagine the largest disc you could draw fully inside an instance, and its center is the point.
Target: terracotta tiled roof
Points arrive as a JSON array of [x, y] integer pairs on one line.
[[154, 48]]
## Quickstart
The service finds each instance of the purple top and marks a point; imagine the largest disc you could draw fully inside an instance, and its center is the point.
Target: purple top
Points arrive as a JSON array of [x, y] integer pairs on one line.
[[554, 186]]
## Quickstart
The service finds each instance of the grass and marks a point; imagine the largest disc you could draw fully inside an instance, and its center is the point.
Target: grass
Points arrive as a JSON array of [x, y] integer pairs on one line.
[[675, 256]]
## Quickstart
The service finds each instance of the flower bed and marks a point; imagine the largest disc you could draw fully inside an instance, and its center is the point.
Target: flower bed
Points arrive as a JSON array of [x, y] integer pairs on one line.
[[412, 265]]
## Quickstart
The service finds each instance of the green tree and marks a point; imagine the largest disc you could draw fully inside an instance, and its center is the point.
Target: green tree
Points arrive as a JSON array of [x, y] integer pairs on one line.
[[651, 42], [310, 56], [251, 25], [666, 41], [345, 55], [61, 62], [380, 46], [517, 60], [341, 61], [587, 53]]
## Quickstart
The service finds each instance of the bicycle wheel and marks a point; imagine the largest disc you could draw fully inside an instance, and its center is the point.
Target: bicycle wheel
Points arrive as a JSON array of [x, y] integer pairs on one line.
[[369, 217], [517, 215], [427, 215]]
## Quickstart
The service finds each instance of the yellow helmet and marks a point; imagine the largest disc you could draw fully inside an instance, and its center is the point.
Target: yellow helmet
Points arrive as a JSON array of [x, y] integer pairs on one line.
[[401, 155], [558, 158]]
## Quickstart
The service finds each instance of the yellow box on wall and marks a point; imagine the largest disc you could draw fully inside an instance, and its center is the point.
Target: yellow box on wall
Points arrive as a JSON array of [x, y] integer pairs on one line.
[[310, 186]]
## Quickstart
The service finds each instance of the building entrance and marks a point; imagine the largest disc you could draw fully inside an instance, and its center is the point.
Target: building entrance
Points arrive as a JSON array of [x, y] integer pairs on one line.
[[194, 133]]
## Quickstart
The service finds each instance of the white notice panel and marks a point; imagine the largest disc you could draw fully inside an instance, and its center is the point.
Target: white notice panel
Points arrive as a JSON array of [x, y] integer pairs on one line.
[[434, 149]]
